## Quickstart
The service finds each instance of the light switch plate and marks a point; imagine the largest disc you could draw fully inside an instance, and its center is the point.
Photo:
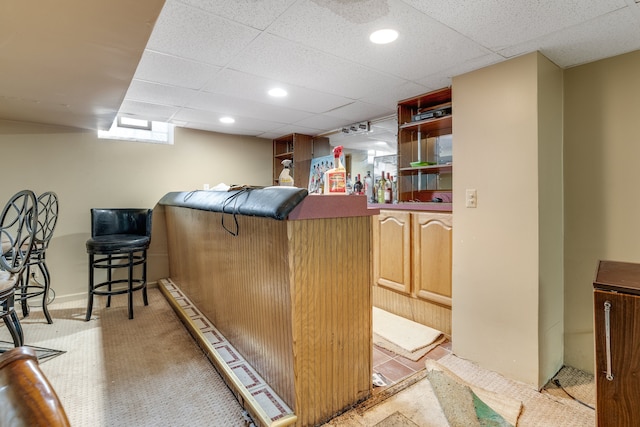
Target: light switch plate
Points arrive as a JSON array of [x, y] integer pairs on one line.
[[471, 198]]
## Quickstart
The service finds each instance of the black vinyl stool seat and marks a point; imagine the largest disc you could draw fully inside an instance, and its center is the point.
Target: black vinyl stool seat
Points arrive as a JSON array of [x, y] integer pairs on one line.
[[119, 239]]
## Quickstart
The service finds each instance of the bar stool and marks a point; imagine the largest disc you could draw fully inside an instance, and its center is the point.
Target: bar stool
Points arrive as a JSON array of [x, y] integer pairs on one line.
[[29, 287], [18, 222], [119, 239]]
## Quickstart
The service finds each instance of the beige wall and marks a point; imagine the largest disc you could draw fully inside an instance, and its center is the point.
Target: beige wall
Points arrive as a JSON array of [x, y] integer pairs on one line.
[[602, 154], [507, 289], [87, 172]]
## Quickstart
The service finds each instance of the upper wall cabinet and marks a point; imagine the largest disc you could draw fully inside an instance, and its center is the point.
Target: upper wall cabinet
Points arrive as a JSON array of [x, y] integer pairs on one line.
[[424, 146]]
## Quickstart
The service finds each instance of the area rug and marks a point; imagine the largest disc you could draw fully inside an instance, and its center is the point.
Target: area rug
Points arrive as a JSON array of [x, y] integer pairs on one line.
[[43, 354], [461, 406], [467, 404], [403, 336], [538, 408]]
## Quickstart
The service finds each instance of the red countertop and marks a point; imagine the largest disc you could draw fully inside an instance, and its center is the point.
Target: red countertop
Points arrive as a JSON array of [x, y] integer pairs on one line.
[[316, 206]]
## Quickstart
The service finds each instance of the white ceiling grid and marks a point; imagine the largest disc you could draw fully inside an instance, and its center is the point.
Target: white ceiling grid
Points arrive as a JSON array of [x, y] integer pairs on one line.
[[208, 58]]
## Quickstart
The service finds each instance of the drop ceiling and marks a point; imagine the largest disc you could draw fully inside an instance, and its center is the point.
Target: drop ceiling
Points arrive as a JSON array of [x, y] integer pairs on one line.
[[205, 59]]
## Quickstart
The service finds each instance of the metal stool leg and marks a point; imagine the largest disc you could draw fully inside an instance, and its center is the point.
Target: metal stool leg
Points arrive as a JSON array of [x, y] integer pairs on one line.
[[144, 278], [13, 323], [130, 284], [47, 284], [109, 281], [90, 301], [24, 289]]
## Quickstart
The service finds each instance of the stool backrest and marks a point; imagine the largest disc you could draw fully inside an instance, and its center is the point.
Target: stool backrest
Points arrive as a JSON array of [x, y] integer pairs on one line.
[[47, 219], [106, 222], [18, 223]]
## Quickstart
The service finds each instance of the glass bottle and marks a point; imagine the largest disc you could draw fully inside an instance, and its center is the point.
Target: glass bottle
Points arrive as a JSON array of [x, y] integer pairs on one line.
[[382, 188], [388, 195], [357, 187], [368, 188]]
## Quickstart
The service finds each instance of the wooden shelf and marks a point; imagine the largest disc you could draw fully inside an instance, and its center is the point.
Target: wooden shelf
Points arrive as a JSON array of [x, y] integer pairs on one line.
[[286, 155], [429, 168], [438, 125], [300, 149], [417, 140]]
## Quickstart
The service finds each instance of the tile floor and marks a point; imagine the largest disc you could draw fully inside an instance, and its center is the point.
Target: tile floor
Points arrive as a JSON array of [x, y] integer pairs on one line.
[[394, 368]]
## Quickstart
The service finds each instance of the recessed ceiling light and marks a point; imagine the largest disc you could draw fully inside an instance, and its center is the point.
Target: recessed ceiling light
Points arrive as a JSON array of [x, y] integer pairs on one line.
[[383, 36], [277, 92], [227, 120]]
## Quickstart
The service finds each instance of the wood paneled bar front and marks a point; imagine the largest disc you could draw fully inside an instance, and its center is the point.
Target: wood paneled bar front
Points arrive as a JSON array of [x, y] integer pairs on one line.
[[286, 279]]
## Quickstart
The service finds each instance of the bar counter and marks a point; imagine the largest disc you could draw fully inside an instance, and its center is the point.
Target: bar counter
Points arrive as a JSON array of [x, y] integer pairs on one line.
[[286, 278]]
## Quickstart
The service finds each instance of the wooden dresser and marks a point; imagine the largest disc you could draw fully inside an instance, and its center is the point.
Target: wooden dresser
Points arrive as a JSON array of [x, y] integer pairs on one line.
[[617, 343]]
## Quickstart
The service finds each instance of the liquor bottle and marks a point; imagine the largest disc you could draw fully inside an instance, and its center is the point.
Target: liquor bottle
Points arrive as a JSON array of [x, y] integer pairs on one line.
[[368, 188], [335, 179], [394, 190], [349, 186], [382, 183], [357, 187], [388, 194]]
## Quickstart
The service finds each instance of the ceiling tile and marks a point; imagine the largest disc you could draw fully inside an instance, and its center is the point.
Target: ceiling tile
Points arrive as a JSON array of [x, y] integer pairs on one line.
[[239, 107], [256, 14], [254, 89], [147, 111], [336, 31], [278, 59], [443, 78], [360, 111], [241, 122], [220, 128], [188, 32], [496, 24], [155, 93], [174, 71], [322, 122], [609, 35], [293, 128], [388, 96]]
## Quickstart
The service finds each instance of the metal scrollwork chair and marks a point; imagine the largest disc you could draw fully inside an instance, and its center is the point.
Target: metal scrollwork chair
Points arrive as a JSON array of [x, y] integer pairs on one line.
[[18, 223], [29, 286]]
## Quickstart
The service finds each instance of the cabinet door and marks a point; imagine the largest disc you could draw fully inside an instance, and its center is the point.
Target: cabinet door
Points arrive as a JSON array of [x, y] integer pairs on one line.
[[432, 257], [392, 250], [617, 399]]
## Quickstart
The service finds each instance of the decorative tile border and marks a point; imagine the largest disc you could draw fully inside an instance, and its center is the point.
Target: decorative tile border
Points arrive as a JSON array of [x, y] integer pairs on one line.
[[263, 402]]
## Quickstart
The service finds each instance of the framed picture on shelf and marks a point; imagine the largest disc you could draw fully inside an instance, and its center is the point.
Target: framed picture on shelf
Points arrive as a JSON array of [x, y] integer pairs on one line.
[[319, 166]]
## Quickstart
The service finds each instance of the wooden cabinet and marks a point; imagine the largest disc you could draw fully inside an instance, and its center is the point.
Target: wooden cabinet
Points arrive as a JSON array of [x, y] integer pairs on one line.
[[432, 256], [412, 266], [617, 343], [392, 250], [424, 147], [300, 149]]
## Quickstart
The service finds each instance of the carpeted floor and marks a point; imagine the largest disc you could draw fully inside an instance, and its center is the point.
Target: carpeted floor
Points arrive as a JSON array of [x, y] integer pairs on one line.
[[147, 371]]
